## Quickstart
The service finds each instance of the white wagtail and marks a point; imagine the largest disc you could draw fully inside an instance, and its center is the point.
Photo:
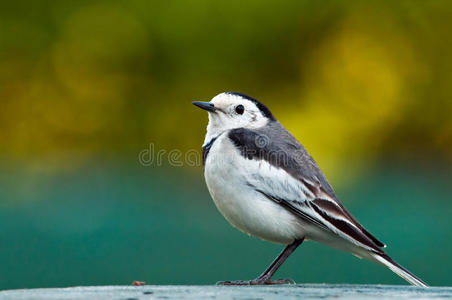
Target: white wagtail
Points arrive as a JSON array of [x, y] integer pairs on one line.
[[266, 184]]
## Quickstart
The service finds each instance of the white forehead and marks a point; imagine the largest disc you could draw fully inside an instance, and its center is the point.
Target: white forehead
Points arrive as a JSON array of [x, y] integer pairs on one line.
[[224, 100]]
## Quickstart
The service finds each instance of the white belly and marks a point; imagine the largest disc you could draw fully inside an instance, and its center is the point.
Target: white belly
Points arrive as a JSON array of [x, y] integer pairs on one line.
[[245, 208]]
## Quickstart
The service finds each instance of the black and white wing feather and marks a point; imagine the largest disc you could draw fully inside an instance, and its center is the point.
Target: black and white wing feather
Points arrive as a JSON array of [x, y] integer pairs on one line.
[[300, 185]]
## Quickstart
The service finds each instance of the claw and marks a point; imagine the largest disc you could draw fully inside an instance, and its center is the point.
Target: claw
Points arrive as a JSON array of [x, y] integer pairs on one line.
[[290, 281], [257, 282]]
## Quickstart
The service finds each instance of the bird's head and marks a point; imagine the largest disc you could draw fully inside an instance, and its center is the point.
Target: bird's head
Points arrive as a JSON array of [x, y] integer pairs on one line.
[[234, 110]]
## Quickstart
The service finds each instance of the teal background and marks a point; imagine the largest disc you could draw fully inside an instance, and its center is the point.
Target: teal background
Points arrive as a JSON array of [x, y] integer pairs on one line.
[[110, 223]]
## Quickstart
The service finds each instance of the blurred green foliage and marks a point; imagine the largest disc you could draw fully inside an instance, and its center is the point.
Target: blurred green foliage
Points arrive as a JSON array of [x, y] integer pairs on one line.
[[350, 78], [92, 83]]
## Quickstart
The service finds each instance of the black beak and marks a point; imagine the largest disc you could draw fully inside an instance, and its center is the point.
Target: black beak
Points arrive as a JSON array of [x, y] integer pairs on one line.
[[205, 105]]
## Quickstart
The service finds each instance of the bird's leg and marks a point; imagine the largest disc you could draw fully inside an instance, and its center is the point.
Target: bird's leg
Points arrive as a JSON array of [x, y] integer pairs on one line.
[[265, 277]]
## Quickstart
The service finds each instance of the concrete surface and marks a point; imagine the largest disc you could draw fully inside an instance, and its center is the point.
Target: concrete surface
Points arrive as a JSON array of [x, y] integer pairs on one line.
[[302, 291]]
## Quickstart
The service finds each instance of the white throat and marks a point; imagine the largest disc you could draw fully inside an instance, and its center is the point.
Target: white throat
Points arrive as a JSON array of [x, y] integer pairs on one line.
[[217, 126]]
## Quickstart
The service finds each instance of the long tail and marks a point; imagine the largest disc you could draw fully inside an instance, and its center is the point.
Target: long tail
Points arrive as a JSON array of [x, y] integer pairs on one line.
[[399, 270]]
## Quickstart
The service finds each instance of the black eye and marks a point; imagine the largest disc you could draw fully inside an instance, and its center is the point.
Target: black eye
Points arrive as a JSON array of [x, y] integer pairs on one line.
[[239, 109]]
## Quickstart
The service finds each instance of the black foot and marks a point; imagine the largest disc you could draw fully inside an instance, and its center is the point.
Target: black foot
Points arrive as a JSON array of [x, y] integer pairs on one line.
[[257, 281]]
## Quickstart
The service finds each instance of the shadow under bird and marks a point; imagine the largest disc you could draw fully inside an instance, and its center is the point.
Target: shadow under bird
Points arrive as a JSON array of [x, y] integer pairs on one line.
[[264, 182]]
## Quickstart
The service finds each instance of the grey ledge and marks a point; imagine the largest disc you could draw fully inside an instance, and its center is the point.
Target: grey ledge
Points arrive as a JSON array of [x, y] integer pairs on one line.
[[303, 291]]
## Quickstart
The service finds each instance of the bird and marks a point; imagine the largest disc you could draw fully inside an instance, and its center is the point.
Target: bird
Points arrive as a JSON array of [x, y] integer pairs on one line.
[[266, 184]]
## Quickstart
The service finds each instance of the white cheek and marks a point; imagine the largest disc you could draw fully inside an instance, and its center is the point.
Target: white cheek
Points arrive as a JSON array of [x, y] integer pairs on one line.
[[256, 121]]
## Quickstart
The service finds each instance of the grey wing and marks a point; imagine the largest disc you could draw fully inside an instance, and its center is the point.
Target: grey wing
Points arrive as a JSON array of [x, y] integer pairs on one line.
[[301, 188]]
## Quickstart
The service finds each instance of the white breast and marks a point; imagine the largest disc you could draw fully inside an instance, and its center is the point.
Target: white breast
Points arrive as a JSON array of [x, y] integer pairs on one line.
[[227, 174]]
